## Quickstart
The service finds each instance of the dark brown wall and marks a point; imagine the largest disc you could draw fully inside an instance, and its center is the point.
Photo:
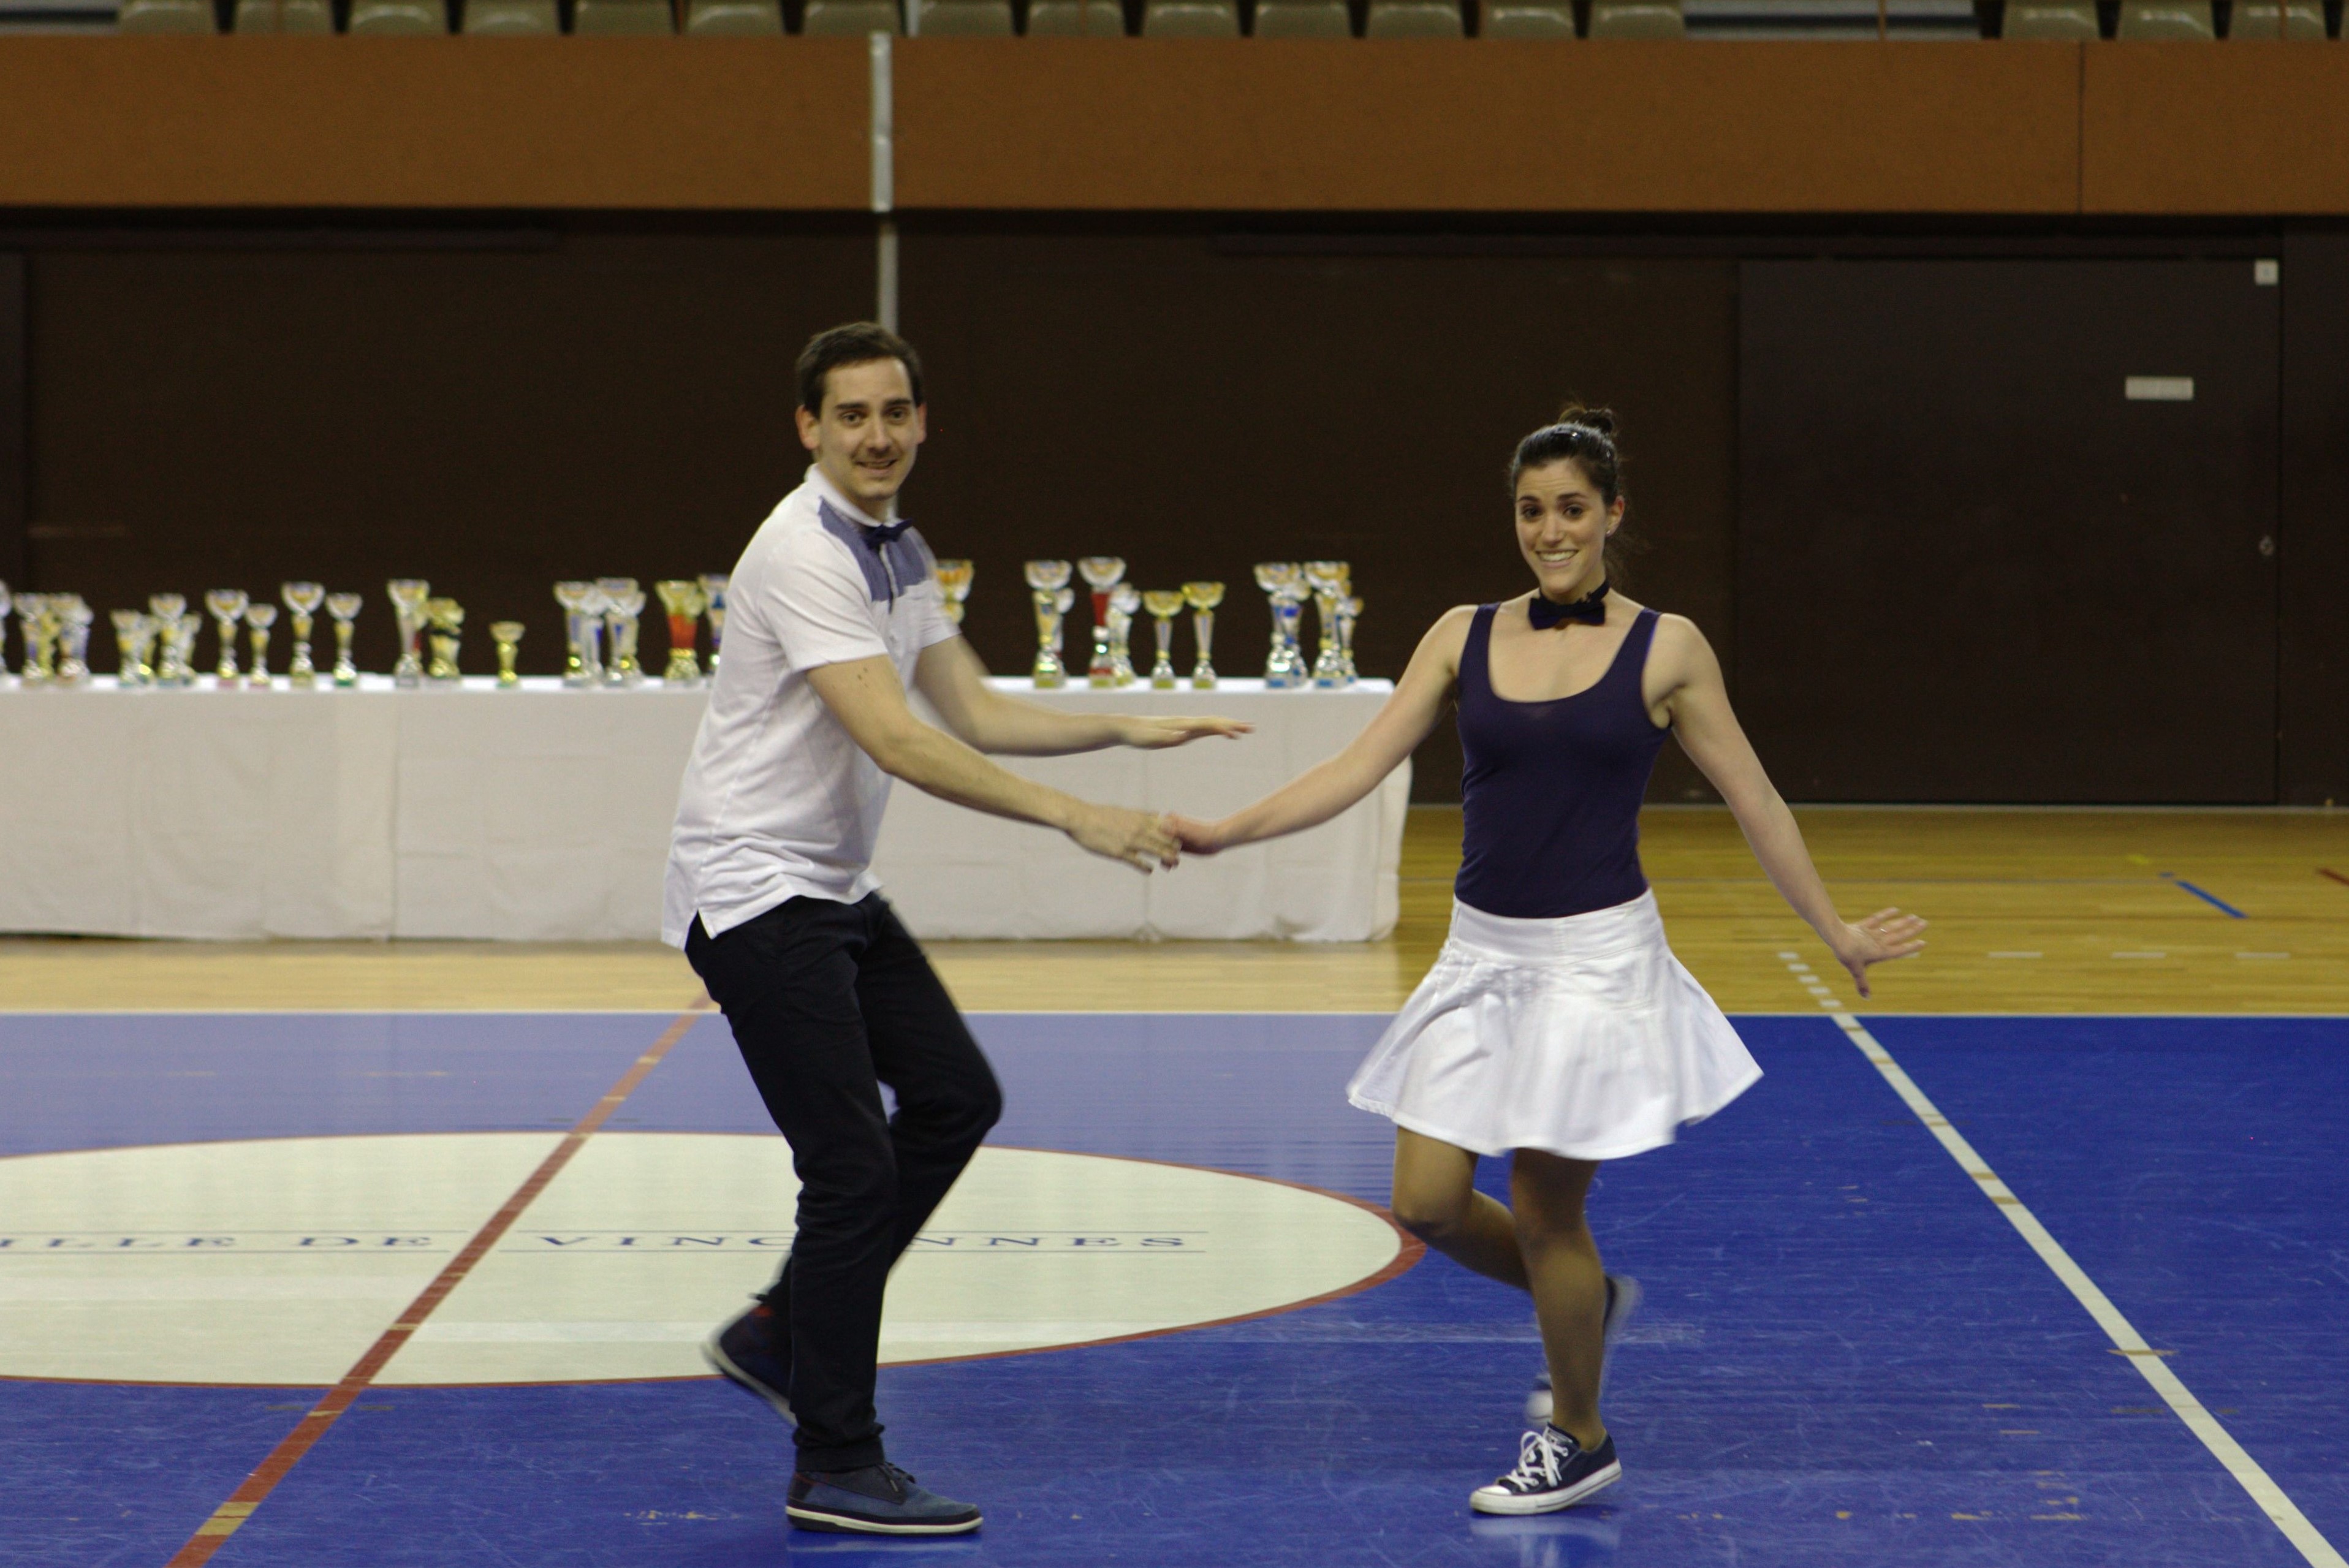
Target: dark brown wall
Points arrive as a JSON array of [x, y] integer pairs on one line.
[[1198, 411], [12, 419], [2314, 753]]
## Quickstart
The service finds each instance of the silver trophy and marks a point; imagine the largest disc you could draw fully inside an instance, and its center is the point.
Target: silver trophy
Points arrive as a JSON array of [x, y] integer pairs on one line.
[[715, 585], [408, 597], [1284, 582], [302, 600], [258, 619], [1048, 583], [345, 609], [624, 606], [582, 623], [1123, 601], [1326, 580], [1101, 573], [74, 620], [1350, 610], [1202, 598], [227, 607], [185, 631]]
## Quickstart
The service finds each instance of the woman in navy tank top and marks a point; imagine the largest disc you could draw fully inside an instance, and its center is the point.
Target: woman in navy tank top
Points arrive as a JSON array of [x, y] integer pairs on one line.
[[1556, 1027]]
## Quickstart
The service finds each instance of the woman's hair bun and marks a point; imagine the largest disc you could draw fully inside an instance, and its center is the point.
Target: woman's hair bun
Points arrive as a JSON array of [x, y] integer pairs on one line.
[[1599, 419]]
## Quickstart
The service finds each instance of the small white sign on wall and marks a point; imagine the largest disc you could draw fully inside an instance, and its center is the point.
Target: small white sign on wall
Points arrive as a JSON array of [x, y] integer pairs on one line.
[[2158, 388]]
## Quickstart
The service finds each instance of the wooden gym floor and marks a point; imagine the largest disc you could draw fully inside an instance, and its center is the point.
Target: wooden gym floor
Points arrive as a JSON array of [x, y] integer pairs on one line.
[[2033, 912]]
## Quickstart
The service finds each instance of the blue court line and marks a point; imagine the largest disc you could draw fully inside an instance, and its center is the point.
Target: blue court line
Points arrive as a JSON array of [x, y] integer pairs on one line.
[[2209, 898]]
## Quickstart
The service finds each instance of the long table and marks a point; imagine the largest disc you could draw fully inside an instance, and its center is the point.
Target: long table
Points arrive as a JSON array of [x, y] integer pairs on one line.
[[543, 814]]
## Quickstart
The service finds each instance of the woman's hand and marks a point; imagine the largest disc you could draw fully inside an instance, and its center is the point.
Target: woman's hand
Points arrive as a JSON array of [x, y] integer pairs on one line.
[[1155, 734], [1884, 935], [1198, 837]]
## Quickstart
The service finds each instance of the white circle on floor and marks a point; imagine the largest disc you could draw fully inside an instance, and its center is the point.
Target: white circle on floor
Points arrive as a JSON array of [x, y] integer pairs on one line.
[[282, 1261]]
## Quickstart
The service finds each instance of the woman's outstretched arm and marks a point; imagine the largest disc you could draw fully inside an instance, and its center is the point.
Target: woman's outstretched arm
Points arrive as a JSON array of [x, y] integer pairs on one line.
[[1325, 788], [1709, 732]]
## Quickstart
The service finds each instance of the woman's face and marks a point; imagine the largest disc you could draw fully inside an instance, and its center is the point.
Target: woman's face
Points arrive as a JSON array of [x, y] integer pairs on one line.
[[1562, 528]]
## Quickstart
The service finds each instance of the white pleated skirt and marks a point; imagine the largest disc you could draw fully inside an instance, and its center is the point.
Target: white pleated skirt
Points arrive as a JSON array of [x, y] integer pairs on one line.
[[1581, 1036]]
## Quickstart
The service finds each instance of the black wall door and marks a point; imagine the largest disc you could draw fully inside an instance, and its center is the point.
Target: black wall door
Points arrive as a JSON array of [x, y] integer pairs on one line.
[[1969, 567]]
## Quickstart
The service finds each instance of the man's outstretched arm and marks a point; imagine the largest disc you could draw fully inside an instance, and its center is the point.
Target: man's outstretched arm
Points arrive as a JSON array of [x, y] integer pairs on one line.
[[951, 677], [866, 698]]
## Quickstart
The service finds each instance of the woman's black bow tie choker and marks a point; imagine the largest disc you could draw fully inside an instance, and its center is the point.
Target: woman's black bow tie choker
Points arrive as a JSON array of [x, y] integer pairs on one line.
[[1545, 612]]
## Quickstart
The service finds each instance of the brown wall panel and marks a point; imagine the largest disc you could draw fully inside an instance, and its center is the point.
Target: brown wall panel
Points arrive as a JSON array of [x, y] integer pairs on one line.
[[2313, 667], [2237, 128], [1477, 126], [454, 122]]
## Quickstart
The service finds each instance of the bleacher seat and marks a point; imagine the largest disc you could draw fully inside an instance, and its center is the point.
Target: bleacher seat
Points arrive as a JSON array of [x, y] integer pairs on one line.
[[398, 19], [848, 19], [1069, 18], [167, 16], [511, 19], [2303, 21], [966, 18], [1303, 19], [1191, 20], [1527, 19], [2166, 21], [734, 18], [1637, 19], [2066, 21], [609, 18], [1414, 19], [283, 17]]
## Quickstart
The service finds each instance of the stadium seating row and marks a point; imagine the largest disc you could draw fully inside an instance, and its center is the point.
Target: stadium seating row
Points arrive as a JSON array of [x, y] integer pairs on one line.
[[2049, 19]]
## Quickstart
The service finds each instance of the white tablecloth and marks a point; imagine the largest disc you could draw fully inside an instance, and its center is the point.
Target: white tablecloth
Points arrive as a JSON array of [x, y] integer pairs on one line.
[[541, 814]]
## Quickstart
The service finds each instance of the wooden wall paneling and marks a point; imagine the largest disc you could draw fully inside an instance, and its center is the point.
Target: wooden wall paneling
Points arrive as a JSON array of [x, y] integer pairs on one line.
[[1198, 411], [1969, 569], [2249, 128], [446, 122], [13, 482], [2314, 666], [1476, 126]]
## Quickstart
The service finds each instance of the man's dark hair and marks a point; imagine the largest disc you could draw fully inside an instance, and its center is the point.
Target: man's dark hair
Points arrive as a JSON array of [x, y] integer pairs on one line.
[[858, 343]]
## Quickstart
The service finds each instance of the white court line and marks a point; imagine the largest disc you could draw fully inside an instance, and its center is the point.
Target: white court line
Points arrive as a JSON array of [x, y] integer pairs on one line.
[[2126, 1339]]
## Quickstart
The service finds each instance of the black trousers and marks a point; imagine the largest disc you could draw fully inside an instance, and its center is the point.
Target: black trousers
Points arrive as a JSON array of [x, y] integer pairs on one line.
[[828, 1001]]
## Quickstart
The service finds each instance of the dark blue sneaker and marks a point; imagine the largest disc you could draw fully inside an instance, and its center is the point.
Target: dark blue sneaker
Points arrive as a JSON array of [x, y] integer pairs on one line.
[[879, 1500], [1622, 1301], [753, 1352], [1553, 1472]]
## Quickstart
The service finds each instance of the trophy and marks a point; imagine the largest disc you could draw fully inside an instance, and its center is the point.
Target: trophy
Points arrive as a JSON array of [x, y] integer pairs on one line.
[[1326, 580], [507, 635], [1123, 601], [303, 599], [172, 662], [260, 618], [4, 603], [345, 609], [74, 618], [1164, 605], [624, 602], [714, 584], [37, 629], [1048, 581], [1350, 610], [1202, 598], [446, 618], [227, 607], [1284, 582], [408, 597], [185, 630], [954, 583], [583, 621], [1101, 573], [129, 634], [683, 599]]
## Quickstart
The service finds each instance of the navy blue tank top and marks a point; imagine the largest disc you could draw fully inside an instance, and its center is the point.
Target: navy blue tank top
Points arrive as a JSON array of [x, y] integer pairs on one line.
[[1551, 794]]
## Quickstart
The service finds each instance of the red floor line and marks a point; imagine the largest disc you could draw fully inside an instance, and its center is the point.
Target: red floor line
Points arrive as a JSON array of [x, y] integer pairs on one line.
[[2337, 876], [225, 1520]]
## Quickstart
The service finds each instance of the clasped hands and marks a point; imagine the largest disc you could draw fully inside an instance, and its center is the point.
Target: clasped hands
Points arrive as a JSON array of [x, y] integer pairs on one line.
[[1149, 840]]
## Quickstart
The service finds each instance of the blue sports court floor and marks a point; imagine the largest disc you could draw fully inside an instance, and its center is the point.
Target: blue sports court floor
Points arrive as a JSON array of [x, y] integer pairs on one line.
[[1849, 1353]]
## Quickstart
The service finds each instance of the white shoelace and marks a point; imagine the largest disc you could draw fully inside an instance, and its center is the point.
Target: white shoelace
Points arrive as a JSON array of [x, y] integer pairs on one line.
[[1541, 1462]]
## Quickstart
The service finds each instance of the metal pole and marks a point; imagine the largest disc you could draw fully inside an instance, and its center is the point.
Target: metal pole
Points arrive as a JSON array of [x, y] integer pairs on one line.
[[885, 183]]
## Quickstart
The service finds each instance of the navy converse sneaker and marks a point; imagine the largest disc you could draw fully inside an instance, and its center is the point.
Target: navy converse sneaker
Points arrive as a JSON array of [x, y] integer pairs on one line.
[[1553, 1472], [753, 1352], [879, 1500], [1622, 1301]]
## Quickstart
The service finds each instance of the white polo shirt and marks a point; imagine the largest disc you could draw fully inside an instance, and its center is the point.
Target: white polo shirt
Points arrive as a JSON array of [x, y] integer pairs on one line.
[[778, 802]]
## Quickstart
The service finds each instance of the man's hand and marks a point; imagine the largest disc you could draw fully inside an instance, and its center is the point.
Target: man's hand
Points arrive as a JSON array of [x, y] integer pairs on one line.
[[1887, 934], [1142, 840], [1156, 734], [1195, 837]]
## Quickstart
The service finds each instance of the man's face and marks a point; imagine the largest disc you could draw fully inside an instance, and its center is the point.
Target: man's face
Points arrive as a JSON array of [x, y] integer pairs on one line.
[[865, 440]]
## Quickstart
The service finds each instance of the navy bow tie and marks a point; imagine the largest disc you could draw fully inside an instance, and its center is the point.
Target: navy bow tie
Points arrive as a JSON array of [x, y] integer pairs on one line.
[[879, 534], [1545, 612]]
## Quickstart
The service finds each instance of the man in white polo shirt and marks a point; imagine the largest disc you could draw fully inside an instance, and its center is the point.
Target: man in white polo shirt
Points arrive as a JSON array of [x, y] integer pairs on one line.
[[833, 611]]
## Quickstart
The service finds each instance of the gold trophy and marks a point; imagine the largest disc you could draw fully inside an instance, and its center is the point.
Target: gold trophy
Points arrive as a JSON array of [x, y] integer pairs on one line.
[[227, 607], [1202, 598], [685, 601], [39, 630], [75, 618], [344, 608], [624, 602], [303, 599], [1123, 601], [1350, 610], [129, 631], [258, 619], [1164, 605], [1328, 581], [447, 619], [507, 635], [1101, 573], [408, 597], [954, 584], [1048, 581]]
